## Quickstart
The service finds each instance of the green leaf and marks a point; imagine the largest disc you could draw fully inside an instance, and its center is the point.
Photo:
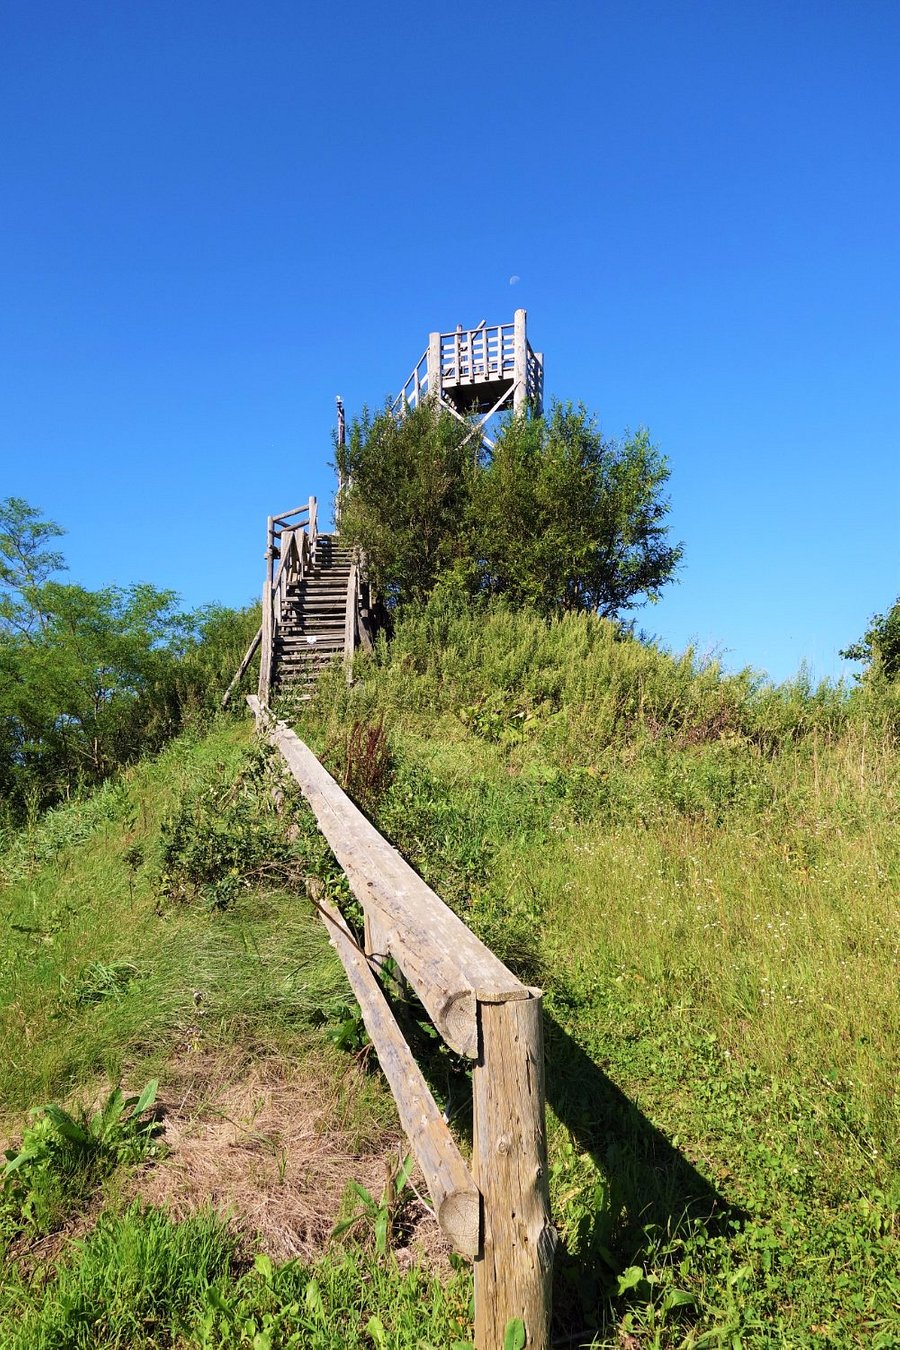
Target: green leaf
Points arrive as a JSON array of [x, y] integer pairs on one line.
[[514, 1334], [381, 1232], [375, 1329], [629, 1279], [68, 1127], [678, 1298], [147, 1097], [313, 1299], [262, 1264], [404, 1174]]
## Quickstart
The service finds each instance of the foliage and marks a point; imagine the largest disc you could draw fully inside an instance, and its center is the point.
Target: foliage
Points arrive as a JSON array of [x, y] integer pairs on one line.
[[64, 1155], [407, 497], [556, 516], [365, 763], [136, 1280], [91, 679], [879, 647], [142, 1281], [566, 519], [702, 872], [227, 836], [25, 564], [378, 1215]]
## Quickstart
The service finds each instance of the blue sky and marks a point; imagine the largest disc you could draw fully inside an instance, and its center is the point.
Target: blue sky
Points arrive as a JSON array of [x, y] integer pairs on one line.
[[215, 217]]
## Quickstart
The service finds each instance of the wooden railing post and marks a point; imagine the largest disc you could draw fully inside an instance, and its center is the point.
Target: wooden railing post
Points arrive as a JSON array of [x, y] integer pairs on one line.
[[350, 620], [265, 660], [520, 372], [313, 523], [514, 1270], [435, 376]]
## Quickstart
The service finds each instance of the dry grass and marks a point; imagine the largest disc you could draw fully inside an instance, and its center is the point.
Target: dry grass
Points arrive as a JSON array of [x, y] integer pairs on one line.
[[263, 1142]]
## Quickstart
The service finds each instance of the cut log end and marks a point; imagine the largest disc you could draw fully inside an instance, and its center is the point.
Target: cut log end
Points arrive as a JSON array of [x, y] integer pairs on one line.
[[459, 1217], [458, 1023]]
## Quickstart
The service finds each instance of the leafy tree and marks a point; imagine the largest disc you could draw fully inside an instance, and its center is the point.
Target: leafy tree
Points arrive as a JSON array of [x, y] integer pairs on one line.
[[566, 519], [25, 563], [557, 517], [91, 680], [879, 646], [407, 496]]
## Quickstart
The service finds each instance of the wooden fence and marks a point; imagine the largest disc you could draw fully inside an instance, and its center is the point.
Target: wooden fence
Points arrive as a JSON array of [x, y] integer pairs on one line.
[[496, 1210]]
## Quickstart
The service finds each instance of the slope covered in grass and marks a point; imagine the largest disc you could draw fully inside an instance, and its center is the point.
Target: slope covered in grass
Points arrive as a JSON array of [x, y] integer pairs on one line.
[[158, 930], [702, 871]]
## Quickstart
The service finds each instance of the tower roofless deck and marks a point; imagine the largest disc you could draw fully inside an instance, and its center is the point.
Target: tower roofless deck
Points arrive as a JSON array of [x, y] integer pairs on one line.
[[479, 371]]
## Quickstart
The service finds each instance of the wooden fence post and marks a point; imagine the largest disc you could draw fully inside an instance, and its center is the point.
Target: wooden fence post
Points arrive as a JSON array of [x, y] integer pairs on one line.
[[514, 1271]]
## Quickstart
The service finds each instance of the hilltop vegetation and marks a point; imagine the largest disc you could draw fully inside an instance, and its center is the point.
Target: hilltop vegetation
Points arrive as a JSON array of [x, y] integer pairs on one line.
[[556, 516], [702, 871]]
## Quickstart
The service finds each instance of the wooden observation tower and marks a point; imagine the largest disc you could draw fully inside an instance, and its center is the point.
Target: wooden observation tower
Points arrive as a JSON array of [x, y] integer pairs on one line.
[[479, 372]]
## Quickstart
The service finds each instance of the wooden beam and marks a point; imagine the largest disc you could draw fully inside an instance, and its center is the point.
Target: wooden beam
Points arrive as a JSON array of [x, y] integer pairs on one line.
[[242, 668], [447, 965], [433, 358], [457, 1202], [520, 352]]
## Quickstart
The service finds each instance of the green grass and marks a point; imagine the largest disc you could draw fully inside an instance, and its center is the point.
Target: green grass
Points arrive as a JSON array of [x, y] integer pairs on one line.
[[163, 915], [138, 1280], [703, 874], [103, 969]]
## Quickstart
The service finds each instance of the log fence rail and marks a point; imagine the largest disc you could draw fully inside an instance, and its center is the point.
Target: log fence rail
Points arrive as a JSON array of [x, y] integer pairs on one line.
[[495, 1210]]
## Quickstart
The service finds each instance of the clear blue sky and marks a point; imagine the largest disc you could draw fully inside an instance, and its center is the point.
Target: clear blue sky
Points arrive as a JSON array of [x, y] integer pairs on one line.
[[215, 217]]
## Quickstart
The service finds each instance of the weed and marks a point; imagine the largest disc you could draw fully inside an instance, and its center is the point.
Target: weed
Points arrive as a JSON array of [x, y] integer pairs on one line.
[[366, 762], [228, 836], [378, 1215], [63, 1157], [100, 980]]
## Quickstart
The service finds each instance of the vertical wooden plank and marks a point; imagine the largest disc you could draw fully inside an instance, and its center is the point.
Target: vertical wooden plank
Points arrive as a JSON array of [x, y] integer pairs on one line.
[[434, 365], [520, 373], [377, 939], [265, 661], [514, 1271]]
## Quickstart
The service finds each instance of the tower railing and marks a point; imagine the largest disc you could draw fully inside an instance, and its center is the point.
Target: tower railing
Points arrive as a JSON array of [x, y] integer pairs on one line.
[[495, 355]]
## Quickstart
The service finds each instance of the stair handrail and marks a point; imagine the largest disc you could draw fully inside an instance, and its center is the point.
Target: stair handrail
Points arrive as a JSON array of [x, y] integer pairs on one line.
[[351, 610], [291, 539]]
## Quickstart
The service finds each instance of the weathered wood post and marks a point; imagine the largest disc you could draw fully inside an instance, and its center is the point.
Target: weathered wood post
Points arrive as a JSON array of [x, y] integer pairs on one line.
[[341, 446], [514, 1271], [433, 365], [265, 660], [520, 368]]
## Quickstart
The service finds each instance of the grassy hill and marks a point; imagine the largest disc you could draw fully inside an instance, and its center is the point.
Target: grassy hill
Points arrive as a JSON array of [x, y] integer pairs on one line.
[[701, 872]]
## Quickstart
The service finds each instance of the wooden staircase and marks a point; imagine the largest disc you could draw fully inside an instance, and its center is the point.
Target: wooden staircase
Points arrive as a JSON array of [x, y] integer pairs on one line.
[[311, 626], [315, 605]]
